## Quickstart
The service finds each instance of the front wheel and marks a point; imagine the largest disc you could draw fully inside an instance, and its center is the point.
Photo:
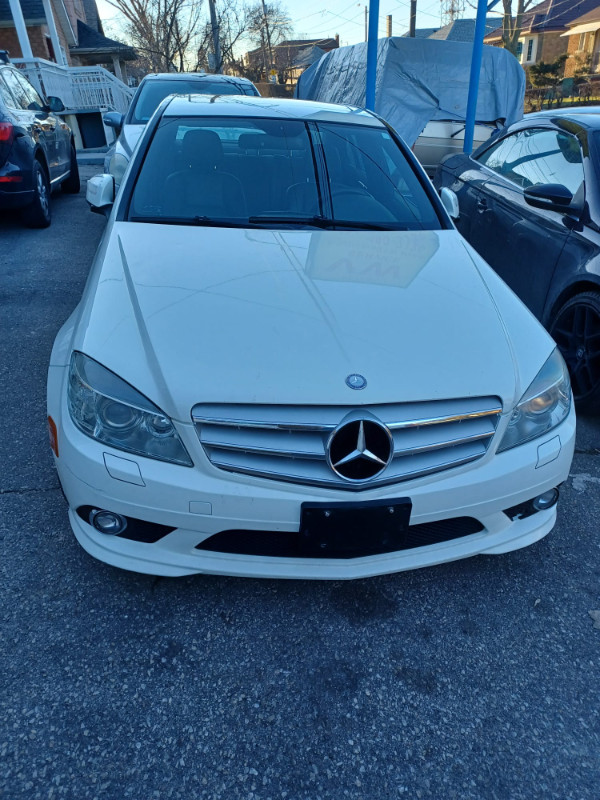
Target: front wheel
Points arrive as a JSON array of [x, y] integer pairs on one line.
[[576, 330], [72, 184], [38, 214]]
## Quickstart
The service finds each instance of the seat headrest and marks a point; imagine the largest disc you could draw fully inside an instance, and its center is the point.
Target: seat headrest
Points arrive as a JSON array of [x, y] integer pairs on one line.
[[202, 149], [251, 141]]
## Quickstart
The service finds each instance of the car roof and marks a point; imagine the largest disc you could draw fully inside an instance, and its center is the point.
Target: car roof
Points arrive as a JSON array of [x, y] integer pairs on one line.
[[184, 76], [588, 116], [231, 105]]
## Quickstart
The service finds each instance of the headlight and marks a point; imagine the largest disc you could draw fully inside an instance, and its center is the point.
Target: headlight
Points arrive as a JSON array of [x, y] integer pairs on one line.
[[109, 410], [543, 406], [117, 166]]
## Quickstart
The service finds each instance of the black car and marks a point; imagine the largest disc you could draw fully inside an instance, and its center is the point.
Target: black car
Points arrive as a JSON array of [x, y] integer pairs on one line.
[[529, 204], [37, 151]]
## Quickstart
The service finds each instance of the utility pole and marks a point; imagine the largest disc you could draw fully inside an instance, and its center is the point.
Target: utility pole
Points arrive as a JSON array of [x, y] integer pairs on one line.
[[215, 35], [268, 32], [413, 18], [366, 23], [388, 25], [371, 84]]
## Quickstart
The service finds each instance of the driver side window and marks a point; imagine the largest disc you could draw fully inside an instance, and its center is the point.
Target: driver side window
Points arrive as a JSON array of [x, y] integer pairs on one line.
[[536, 156]]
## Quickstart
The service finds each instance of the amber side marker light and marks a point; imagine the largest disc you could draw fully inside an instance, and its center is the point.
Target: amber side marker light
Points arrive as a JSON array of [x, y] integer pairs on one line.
[[53, 436]]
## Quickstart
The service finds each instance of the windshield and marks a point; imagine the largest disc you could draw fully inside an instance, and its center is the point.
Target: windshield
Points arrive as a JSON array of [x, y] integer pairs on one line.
[[278, 173], [152, 93]]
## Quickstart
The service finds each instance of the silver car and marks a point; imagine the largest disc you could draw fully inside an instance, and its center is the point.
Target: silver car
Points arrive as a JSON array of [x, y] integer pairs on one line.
[[150, 93]]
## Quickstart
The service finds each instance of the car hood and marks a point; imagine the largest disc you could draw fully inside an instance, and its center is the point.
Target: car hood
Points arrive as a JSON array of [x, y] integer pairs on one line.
[[192, 314]]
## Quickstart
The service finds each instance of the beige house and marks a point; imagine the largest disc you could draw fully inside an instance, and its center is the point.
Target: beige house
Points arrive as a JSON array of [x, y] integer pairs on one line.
[[583, 39], [544, 29]]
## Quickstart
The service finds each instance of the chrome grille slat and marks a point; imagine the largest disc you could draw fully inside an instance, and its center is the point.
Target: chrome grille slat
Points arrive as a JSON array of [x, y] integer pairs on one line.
[[264, 451], [416, 423], [439, 445], [428, 437]]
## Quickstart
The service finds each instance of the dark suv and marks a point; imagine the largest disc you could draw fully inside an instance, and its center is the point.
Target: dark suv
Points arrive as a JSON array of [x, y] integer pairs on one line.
[[37, 151]]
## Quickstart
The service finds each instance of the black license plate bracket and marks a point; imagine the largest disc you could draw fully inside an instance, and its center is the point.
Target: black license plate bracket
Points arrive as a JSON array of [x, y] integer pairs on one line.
[[351, 530]]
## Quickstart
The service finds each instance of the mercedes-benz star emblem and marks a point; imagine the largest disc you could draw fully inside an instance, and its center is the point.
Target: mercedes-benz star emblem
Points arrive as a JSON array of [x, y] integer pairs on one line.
[[356, 381], [359, 450]]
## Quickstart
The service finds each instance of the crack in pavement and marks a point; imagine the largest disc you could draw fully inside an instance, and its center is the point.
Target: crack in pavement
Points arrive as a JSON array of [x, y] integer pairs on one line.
[[30, 490]]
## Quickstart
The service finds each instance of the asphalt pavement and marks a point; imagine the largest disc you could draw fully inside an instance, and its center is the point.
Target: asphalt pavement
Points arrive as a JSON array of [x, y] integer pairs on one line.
[[476, 680]]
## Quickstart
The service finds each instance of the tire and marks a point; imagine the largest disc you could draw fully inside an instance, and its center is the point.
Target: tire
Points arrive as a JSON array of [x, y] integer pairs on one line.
[[72, 184], [576, 331], [38, 214]]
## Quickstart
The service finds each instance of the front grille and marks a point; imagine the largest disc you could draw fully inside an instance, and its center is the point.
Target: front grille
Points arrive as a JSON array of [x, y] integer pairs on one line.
[[278, 544], [289, 443]]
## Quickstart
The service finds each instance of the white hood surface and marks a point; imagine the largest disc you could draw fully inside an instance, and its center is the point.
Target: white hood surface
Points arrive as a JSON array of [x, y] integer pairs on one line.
[[196, 314]]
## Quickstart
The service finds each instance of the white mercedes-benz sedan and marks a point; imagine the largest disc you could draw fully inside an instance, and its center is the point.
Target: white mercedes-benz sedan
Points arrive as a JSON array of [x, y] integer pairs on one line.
[[287, 362]]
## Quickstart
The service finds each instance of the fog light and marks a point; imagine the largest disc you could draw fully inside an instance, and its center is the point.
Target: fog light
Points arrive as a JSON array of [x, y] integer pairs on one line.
[[546, 500], [107, 522]]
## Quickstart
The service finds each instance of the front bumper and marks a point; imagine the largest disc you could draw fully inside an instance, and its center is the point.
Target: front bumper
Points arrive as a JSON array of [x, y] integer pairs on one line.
[[202, 501]]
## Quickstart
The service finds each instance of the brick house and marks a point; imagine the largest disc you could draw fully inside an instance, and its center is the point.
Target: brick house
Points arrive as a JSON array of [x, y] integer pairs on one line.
[[80, 35], [285, 54], [583, 42], [542, 29]]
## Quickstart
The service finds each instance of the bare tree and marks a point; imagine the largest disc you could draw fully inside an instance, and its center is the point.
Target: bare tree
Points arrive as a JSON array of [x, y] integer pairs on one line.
[[268, 25], [232, 19], [511, 26], [162, 31]]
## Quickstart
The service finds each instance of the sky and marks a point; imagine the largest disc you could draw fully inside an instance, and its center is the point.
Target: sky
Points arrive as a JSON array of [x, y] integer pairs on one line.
[[313, 19]]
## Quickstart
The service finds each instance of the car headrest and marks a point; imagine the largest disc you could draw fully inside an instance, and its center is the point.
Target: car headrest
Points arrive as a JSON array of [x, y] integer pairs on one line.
[[251, 141], [202, 149]]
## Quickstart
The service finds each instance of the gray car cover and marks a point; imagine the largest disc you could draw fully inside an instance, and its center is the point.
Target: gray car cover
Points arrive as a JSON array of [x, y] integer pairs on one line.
[[419, 80]]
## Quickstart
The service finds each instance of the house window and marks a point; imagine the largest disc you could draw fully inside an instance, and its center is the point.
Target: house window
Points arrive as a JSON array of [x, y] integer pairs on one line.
[[529, 49], [519, 49], [50, 46], [586, 42]]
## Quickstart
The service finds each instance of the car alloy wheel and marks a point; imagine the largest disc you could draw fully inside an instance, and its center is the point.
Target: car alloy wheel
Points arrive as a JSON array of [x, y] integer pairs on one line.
[[37, 214], [42, 192], [576, 330]]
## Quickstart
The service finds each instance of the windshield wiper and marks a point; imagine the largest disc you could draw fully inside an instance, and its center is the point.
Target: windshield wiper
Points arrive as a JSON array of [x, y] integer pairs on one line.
[[318, 221], [209, 222], [259, 221]]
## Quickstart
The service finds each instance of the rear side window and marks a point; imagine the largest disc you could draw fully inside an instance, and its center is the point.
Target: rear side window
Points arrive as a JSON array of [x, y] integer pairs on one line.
[[35, 101], [20, 97], [5, 96], [537, 156]]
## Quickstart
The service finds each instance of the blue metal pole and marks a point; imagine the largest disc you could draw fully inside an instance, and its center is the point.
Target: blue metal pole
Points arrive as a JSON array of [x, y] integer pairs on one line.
[[482, 7], [372, 54]]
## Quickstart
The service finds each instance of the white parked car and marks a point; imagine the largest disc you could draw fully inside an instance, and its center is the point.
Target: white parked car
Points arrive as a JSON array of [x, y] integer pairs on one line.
[[288, 363], [150, 93]]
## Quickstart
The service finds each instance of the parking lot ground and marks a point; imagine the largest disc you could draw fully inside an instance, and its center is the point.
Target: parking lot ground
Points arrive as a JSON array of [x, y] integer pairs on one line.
[[473, 680]]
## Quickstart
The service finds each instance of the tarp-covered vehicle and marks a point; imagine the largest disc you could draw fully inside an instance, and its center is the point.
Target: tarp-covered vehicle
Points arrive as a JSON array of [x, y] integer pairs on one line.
[[422, 90]]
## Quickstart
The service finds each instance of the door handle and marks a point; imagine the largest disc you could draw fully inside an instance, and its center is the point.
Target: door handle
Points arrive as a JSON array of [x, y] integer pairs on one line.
[[482, 205]]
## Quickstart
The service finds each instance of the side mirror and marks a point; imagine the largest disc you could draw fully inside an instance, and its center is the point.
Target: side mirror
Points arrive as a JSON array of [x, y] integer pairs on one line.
[[553, 196], [100, 193], [55, 104], [114, 120], [450, 202]]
